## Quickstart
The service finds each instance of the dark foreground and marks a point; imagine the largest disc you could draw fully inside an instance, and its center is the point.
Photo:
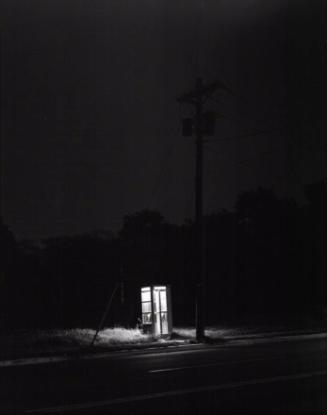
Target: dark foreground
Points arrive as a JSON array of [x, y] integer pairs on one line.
[[280, 378]]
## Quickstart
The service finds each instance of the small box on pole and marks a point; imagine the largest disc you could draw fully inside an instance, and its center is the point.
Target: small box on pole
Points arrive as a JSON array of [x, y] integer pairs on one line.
[[187, 127]]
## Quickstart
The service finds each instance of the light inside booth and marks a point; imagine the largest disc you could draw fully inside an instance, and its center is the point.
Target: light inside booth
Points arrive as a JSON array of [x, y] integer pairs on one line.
[[156, 316], [146, 305]]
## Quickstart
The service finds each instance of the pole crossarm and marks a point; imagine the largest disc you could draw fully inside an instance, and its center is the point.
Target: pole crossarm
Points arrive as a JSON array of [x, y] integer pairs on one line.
[[205, 90]]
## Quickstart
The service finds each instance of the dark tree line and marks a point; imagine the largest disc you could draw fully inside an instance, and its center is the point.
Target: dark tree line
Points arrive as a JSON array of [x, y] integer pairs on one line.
[[265, 262]]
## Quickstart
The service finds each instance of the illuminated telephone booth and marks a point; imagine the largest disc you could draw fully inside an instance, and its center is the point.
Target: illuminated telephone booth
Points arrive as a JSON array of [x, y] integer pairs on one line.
[[156, 310]]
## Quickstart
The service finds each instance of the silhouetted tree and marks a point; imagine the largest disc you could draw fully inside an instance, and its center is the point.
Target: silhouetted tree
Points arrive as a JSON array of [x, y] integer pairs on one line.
[[81, 273], [265, 261], [315, 244], [8, 258], [265, 254]]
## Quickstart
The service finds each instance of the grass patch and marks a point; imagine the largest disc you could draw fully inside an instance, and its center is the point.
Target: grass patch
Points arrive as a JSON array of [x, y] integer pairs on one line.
[[121, 335], [84, 337], [34, 342]]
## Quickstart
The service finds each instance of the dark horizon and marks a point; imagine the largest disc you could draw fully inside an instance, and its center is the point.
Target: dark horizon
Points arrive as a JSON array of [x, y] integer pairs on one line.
[[187, 221]]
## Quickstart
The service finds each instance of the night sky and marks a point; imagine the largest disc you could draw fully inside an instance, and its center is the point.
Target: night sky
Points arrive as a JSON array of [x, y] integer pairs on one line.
[[90, 122]]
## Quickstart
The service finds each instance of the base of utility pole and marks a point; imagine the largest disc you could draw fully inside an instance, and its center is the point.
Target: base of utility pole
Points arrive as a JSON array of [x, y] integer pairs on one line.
[[199, 318]]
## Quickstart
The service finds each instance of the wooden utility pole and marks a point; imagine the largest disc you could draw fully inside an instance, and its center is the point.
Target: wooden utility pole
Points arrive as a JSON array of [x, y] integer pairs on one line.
[[200, 277], [201, 124]]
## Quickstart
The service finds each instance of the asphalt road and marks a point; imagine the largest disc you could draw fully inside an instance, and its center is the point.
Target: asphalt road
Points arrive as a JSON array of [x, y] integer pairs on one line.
[[285, 377]]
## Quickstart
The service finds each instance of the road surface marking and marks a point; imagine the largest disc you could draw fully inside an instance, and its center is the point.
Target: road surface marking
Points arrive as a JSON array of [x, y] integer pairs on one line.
[[93, 356], [31, 361], [158, 395], [44, 360], [224, 363], [121, 354]]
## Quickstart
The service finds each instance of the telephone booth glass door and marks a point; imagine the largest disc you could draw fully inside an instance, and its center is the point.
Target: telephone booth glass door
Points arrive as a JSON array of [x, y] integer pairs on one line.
[[160, 310], [156, 310]]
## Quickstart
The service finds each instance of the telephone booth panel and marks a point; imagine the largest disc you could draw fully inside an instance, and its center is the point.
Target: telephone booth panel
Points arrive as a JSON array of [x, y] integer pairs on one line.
[[156, 310]]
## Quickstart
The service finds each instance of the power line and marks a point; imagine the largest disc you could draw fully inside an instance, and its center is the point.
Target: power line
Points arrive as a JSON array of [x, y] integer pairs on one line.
[[162, 169], [245, 135], [278, 178], [247, 160]]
